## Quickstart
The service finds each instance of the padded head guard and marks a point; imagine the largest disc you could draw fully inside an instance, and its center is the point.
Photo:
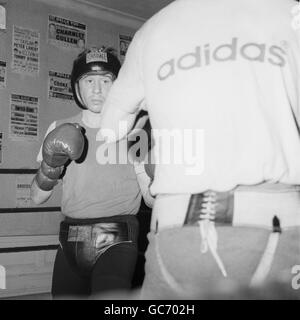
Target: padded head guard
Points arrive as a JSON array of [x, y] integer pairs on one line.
[[93, 61]]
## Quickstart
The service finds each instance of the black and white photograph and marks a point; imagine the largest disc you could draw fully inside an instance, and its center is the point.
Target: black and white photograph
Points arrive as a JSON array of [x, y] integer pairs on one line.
[[150, 153]]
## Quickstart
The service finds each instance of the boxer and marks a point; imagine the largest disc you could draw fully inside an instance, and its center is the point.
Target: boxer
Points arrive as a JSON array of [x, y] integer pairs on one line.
[[98, 235]]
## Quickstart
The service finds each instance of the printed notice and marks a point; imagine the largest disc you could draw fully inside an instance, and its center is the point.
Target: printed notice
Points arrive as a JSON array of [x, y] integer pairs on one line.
[[24, 117], [66, 33], [23, 183], [25, 51], [2, 74], [59, 86], [124, 42]]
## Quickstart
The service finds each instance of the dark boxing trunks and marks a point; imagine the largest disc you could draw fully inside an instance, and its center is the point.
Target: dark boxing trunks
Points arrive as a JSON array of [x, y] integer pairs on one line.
[[84, 241]]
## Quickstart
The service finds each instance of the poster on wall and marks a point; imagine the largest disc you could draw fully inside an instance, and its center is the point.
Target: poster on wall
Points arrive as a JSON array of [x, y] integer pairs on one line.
[[66, 33], [2, 74], [24, 117], [124, 41], [1, 139], [23, 183], [59, 86], [25, 51]]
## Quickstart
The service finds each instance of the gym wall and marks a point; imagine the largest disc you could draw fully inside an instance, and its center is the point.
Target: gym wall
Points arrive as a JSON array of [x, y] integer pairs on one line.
[[28, 233]]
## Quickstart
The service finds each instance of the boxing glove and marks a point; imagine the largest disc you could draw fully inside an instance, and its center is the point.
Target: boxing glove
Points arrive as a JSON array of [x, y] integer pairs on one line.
[[46, 177], [66, 142]]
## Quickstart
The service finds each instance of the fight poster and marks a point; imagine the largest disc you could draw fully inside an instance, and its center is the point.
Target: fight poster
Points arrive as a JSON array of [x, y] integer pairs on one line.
[[124, 42], [25, 51], [24, 117], [66, 33], [59, 86], [2, 74], [23, 184]]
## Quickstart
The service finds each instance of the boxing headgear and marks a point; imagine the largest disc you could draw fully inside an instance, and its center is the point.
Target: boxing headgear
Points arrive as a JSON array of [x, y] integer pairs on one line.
[[93, 61]]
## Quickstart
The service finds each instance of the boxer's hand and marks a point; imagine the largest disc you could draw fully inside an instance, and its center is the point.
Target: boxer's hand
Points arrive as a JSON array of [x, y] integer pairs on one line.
[[66, 142], [46, 177]]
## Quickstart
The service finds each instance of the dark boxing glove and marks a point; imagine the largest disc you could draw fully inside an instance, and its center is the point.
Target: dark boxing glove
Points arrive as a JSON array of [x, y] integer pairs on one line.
[[66, 142], [63, 143], [46, 177]]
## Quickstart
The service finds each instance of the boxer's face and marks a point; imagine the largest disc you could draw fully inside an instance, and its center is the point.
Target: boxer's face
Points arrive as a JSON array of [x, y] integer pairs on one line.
[[94, 89]]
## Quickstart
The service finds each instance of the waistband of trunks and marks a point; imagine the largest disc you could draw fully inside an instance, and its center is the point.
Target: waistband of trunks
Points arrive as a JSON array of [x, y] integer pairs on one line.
[[219, 204], [125, 225]]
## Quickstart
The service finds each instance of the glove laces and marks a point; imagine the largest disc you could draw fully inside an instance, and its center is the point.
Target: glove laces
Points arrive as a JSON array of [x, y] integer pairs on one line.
[[208, 232]]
